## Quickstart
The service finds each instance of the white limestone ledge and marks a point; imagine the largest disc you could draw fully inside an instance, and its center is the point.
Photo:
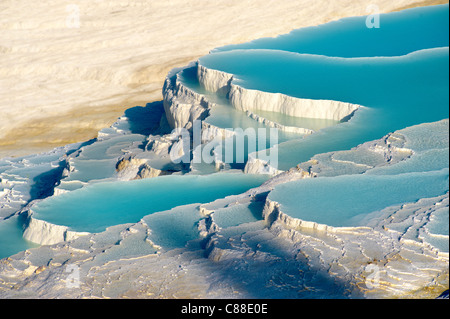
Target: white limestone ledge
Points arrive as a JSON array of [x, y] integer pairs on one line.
[[45, 233]]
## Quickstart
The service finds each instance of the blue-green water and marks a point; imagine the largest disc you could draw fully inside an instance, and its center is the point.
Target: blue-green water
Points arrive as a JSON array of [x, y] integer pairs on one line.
[[11, 237], [223, 114], [98, 206], [349, 198], [397, 86], [396, 92], [400, 33]]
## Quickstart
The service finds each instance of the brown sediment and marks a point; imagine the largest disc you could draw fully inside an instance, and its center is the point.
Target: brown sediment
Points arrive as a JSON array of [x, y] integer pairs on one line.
[[82, 122], [422, 4], [72, 126]]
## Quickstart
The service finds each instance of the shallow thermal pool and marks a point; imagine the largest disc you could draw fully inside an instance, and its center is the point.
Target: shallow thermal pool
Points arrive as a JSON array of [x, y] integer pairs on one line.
[[95, 207], [398, 73], [11, 237], [395, 92], [344, 201]]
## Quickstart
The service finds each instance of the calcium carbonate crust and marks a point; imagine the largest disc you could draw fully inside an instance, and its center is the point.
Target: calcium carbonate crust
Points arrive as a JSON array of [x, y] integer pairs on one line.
[[349, 255]]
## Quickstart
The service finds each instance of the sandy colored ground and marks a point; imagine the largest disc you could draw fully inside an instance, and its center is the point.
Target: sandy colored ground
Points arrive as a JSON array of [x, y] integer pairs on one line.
[[70, 68]]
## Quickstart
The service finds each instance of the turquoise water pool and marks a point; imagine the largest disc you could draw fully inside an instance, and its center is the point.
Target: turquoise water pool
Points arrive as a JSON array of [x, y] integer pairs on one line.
[[12, 242], [399, 73]]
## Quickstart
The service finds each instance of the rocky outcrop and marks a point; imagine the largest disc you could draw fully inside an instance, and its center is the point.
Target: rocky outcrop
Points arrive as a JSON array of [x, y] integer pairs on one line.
[[182, 105], [130, 168]]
